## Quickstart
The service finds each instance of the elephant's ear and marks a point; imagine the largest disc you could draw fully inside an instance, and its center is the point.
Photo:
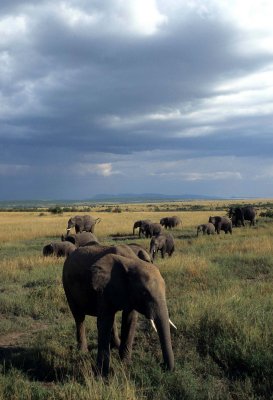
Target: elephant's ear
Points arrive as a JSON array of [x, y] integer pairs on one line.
[[98, 278]]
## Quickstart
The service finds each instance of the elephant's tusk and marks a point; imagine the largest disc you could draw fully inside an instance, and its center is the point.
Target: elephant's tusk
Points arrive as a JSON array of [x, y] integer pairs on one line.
[[153, 324], [172, 324]]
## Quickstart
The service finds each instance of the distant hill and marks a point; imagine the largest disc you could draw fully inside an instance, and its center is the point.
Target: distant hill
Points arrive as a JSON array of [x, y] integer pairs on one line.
[[150, 197]]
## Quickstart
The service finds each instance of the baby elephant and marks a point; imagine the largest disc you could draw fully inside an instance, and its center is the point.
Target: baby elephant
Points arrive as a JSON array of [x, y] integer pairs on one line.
[[59, 249], [208, 229], [163, 243]]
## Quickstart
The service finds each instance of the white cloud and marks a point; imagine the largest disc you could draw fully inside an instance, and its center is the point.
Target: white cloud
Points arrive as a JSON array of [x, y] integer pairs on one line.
[[104, 169], [140, 17], [12, 29], [101, 169]]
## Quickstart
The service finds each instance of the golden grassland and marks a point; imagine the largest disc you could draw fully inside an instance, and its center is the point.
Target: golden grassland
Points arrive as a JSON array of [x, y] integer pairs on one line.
[[219, 292], [16, 226]]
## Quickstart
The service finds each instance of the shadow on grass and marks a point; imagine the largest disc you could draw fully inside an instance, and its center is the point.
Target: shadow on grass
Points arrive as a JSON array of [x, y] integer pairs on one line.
[[36, 367], [117, 237], [31, 363]]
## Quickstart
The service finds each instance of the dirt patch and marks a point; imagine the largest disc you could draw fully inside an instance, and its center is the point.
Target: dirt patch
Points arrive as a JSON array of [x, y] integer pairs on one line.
[[13, 339]]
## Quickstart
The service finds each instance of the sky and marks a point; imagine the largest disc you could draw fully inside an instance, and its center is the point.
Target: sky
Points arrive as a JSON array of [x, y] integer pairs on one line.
[[136, 96]]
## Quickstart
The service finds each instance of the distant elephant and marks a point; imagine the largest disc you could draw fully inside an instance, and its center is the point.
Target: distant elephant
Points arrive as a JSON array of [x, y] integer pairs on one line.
[[221, 223], [102, 285], [59, 249], [242, 214], [163, 243], [82, 223], [81, 239], [151, 229], [140, 251], [170, 222], [208, 229], [139, 224]]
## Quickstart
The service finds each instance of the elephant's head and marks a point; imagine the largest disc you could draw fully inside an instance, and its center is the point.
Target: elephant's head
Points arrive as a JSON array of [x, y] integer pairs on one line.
[[136, 225], [71, 223], [231, 212], [147, 296], [212, 220], [48, 250], [199, 229], [154, 246]]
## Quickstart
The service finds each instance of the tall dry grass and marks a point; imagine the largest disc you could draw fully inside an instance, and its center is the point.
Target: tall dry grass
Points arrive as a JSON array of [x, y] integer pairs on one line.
[[219, 293]]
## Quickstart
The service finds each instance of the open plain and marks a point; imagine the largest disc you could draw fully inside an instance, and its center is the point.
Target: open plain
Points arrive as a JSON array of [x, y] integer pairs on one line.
[[219, 294]]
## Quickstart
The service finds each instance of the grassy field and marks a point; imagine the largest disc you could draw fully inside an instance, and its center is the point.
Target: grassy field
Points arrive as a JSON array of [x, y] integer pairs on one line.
[[219, 292]]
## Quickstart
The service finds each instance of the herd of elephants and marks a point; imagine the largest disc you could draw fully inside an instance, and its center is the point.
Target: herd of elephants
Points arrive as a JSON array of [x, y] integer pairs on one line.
[[100, 280]]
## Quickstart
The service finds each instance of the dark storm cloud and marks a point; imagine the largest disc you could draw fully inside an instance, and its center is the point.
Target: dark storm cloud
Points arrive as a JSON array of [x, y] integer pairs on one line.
[[79, 84]]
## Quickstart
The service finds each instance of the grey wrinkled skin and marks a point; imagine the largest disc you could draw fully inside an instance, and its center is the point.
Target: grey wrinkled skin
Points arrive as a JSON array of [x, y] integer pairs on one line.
[[163, 243], [139, 224], [151, 229], [102, 283], [59, 249], [140, 251], [81, 239], [221, 224], [241, 214], [171, 222], [82, 223], [208, 229]]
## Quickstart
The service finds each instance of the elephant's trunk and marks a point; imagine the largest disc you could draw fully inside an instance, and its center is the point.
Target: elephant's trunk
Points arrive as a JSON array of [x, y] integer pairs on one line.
[[152, 252], [162, 324]]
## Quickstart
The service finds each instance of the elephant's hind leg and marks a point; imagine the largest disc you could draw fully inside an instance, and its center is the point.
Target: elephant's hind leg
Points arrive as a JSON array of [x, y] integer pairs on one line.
[[79, 318], [80, 332]]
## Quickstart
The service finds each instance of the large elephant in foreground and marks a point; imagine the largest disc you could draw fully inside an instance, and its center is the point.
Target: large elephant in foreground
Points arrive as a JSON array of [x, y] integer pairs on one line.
[[139, 224], [82, 223], [102, 284], [221, 224], [241, 214], [170, 222]]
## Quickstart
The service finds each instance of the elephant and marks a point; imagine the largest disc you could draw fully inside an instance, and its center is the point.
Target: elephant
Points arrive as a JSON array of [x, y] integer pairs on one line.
[[242, 214], [171, 222], [59, 249], [82, 223], [81, 239], [163, 243], [151, 229], [103, 284], [140, 251], [139, 224], [221, 223], [208, 229]]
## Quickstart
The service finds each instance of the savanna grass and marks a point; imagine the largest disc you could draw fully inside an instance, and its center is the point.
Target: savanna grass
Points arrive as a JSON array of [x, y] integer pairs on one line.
[[219, 292]]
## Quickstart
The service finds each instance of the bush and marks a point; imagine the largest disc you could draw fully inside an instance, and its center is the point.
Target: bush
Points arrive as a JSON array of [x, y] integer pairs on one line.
[[267, 214], [55, 210]]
